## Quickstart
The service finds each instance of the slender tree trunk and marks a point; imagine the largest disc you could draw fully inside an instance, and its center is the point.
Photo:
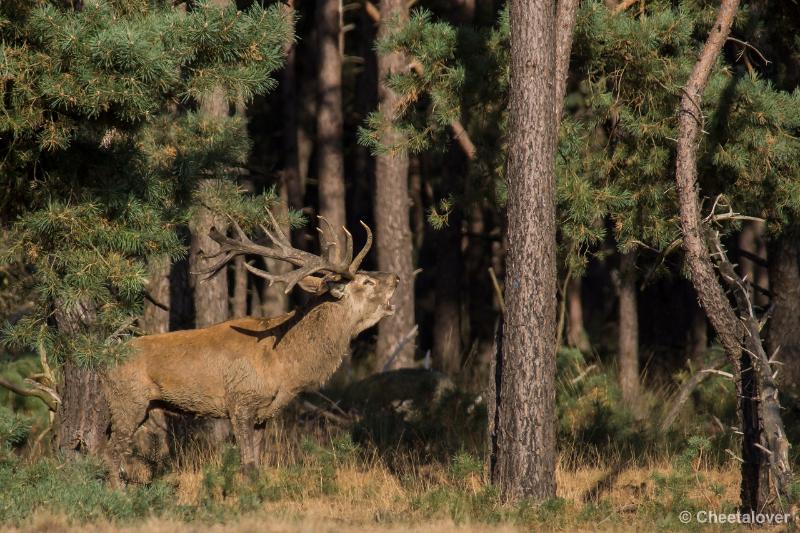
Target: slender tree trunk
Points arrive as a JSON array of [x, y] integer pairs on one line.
[[766, 468], [751, 240], [576, 332], [526, 432], [307, 100], [628, 329], [330, 117], [698, 336], [447, 306], [210, 295], [392, 224], [239, 301], [291, 169], [783, 329], [274, 301], [83, 416], [155, 318]]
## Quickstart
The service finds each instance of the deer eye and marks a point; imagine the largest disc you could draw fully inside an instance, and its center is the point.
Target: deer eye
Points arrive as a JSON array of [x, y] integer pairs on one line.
[[369, 281]]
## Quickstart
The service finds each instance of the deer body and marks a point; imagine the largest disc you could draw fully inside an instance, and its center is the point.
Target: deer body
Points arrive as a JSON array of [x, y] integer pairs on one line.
[[248, 369]]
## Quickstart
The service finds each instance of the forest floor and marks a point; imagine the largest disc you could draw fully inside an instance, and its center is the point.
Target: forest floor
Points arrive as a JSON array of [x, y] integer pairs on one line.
[[342, 488]]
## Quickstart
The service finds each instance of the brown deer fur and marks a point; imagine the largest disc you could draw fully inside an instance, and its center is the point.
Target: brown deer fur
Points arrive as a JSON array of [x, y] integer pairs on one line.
[[246, 369]]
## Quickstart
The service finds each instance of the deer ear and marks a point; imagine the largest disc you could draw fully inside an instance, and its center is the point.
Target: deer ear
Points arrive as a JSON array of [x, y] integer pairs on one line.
[[336, 290]]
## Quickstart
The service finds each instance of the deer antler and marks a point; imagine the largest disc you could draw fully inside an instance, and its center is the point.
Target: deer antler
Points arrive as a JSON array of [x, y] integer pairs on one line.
[[331, 262]]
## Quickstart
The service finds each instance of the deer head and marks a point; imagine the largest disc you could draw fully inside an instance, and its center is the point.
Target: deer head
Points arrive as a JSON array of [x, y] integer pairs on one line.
[[365, 295]]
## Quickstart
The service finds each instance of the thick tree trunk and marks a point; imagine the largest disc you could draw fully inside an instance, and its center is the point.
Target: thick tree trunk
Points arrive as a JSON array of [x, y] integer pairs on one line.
[[155, 318], [526, 427], [82, 417], [628, 321], [330, 117], [766, 469], [783, 329], [392, 224], [576, 332]]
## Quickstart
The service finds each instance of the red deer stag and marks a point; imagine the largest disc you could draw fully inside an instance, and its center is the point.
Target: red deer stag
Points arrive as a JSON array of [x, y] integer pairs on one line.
[[247, 369]]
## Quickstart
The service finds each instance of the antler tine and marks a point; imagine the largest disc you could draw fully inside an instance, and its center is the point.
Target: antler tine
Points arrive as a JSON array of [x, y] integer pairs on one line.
[[347, 258], [277, 227], [327, 240], [216, 267], [353, 268], [290, 278]]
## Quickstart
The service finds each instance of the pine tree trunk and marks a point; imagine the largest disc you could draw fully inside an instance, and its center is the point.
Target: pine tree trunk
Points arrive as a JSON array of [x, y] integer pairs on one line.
[[82, 417], [525, 455], [447, 306], [392, 219], [330, 117], [274, 300], [291, 180], [698, 336], [239, 301], [155, 317], [628, 321], [783, 329], [751, 240], [576, 332], [210, 295], [766, 468]]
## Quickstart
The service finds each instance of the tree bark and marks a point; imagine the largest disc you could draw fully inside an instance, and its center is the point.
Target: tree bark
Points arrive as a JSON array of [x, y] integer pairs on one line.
[[698, 336], [156, 314], [447, 305], [628, 321], [783, 329], [526, 427], [392, 219], [766, 469], [330, 117], [210, 295], [751, 240], [83, 416], [239, 301]]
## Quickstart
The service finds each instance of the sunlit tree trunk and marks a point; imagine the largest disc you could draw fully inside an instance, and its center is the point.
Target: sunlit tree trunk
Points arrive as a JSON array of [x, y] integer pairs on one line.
[[330, 116], [392, 220]]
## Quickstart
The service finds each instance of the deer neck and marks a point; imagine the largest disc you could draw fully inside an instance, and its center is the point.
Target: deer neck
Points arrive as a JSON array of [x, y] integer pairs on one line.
[[314, 346]]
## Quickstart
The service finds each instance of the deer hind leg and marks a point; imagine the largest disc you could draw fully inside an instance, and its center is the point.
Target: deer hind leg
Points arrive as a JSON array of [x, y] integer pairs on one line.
[[126, 417]]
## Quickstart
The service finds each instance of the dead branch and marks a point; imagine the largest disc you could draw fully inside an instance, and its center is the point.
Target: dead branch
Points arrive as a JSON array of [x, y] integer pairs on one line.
[[50, 398], [686, 391]]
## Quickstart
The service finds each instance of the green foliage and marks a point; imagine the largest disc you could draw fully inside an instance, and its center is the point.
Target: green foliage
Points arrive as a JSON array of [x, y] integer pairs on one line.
[[104, 148], [615, 161], [76, 489], [14, 429]]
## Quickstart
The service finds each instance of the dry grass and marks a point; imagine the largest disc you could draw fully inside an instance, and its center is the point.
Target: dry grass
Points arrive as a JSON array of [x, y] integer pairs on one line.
[[315, 479]]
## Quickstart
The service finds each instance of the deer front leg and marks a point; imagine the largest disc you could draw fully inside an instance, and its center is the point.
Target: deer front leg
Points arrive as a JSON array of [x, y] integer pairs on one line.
[[126, 417], [243, 424]]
